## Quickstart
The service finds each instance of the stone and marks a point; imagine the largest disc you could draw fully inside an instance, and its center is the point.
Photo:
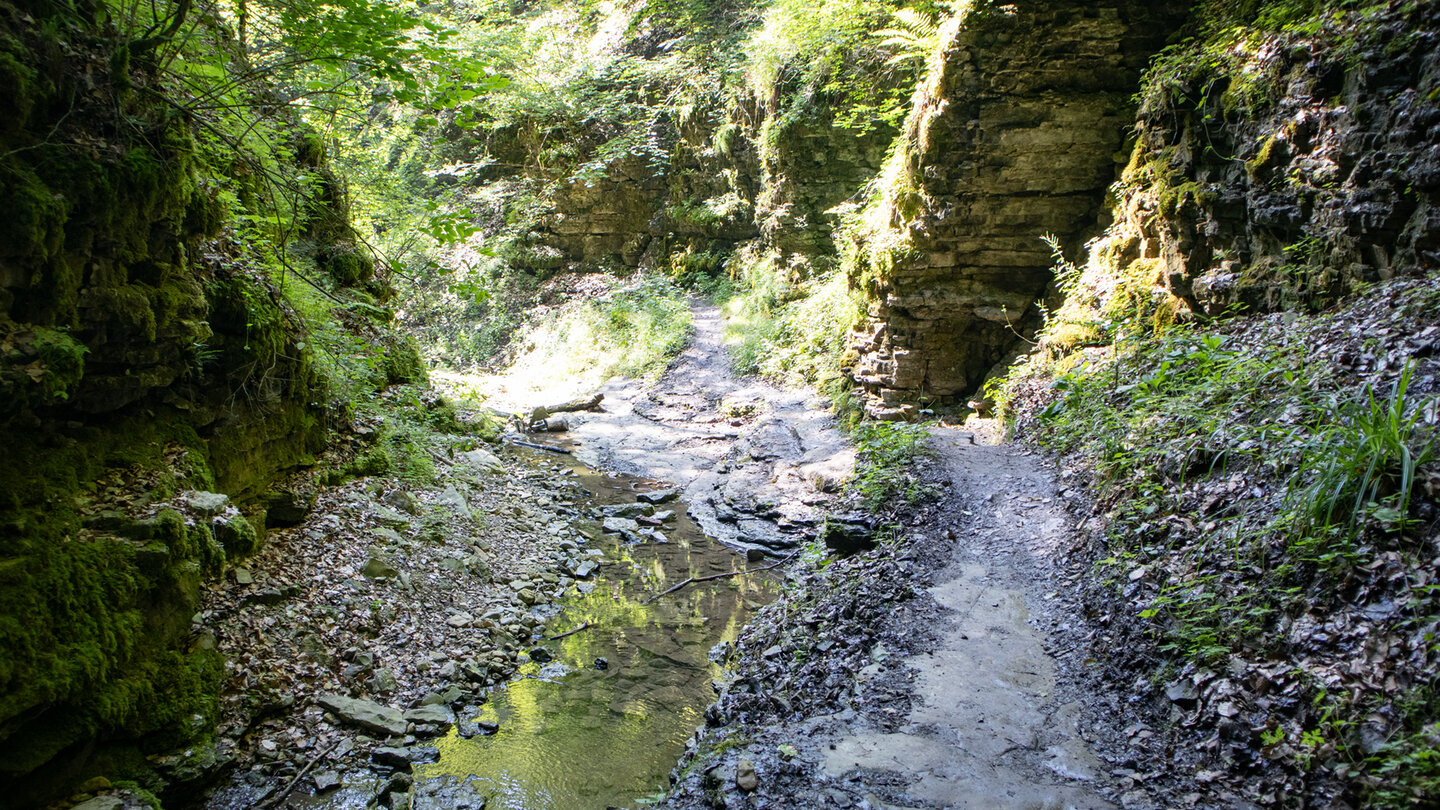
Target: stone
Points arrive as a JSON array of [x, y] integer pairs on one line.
[[365, 714], [377, 568], [482, 460], [285, 508], [390, 517], [95, 785], [100, 803], [434, 713], [664, 515], [619, 525], [658, 496], [326, 780], [403, 758], [846, 535], [208, 504], [627, 510], [242, 577], [745, 777], [236, 534], [452, 498], [387, 535], [529, 596], [383, 681], [405, 501], [460, 620], [584, 569]]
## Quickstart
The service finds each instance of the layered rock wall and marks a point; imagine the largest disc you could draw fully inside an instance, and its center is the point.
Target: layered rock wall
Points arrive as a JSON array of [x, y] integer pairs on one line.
[[1307, 165], [142, 354], [1014, 137]]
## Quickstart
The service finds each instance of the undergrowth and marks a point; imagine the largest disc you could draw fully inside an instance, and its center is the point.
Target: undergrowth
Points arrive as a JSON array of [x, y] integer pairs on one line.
[[887, 455], [790, 332], [634, 330], [1252, 495]]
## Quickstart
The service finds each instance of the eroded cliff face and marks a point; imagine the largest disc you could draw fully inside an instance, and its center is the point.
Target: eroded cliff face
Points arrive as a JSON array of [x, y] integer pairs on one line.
[[1306, 165], [1273, 169], [1015, 136], [144, 353], [1276, 169]]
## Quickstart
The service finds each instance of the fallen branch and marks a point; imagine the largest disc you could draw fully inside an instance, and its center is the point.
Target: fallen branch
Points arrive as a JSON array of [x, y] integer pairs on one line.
[[590, 404], [567, 633], [537, 446], [693, 580], [281, 796]]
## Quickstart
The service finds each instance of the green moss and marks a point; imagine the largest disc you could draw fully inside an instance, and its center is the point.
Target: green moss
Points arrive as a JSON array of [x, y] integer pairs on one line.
[[347, 265], [1173, 198], [17, 87], [1270, 156], [33, 226], [237, 536], [86, 624]]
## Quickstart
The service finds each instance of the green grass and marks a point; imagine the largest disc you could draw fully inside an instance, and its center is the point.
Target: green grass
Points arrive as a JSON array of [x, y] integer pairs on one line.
[[792, 333], [1247, 488]]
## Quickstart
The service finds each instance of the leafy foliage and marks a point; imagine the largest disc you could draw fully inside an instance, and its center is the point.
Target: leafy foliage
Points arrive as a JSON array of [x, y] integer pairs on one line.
[[1248, 492], [886, 454]]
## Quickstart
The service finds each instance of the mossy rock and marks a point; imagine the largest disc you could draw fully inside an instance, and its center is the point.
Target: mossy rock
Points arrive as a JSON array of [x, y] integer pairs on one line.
[[347, 265]]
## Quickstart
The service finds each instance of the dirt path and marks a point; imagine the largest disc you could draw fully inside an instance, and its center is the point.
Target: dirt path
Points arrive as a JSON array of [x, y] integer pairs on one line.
[[990, 725], [919, 674]]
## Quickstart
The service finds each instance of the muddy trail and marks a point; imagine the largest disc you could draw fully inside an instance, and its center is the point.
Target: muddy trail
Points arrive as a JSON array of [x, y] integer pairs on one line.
[[942, 670], [543, 631]]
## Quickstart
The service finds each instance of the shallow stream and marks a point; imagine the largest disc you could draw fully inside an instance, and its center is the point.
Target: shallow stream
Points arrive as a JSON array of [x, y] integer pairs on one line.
[[604, 722]]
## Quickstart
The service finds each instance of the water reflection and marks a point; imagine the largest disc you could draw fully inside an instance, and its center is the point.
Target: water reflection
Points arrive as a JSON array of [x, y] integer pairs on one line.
[[577, 737]]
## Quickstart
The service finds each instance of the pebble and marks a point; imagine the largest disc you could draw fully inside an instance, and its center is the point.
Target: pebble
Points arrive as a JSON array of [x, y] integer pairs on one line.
[[745, 777]]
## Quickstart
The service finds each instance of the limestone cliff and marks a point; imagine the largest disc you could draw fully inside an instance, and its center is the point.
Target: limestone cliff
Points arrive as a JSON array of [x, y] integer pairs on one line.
[[1014, 136], [1270, 168]]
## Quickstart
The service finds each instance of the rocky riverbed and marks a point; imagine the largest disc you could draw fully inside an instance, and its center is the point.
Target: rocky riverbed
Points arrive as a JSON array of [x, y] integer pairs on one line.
[[398, 645]]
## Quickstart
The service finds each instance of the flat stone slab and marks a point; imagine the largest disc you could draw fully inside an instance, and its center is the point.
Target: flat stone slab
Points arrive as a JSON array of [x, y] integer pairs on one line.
[[364, 713], [433, 713]]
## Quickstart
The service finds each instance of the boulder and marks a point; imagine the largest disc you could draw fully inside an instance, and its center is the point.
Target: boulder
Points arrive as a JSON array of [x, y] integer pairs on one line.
[[365, 714]]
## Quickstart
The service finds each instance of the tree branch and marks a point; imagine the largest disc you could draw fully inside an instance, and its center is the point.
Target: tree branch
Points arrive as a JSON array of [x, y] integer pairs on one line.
[[693, 580]]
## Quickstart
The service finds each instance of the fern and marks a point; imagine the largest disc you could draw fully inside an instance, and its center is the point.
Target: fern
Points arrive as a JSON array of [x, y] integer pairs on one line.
[[916, 33]]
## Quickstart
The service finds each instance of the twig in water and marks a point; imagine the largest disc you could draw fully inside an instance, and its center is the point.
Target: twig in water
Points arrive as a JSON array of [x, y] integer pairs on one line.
[[585, 626], [693, 580], [280, 797]]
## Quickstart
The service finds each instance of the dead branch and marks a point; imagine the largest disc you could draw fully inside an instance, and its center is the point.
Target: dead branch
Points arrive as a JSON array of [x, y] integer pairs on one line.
[[280, 797], [567, 633], [693, 580]]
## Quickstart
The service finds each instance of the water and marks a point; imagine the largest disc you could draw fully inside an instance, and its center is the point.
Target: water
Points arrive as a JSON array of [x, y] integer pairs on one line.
[[576, 737]]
